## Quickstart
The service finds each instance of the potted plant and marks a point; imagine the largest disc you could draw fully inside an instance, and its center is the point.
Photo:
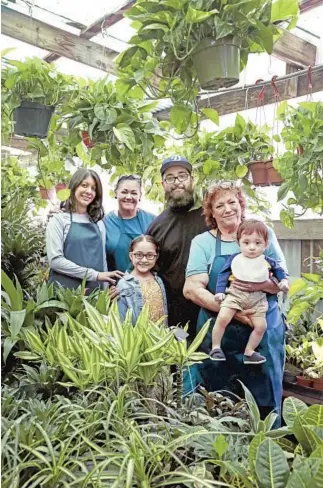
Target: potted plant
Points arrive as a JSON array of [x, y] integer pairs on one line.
[[182, 46], [301, 164], [33, 89], [113, 125]]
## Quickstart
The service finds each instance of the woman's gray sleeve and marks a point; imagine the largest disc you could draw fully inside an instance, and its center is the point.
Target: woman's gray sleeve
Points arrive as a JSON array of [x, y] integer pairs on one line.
[[55, 252]]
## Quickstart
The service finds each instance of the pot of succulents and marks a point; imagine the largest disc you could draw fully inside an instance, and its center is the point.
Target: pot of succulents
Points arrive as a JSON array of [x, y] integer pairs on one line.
[[182, 46], [301, 164], [34, 89]]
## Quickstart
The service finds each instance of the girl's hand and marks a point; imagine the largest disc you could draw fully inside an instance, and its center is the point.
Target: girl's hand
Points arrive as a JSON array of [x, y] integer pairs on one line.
[[110, 276], [267, 286], [114, 292]]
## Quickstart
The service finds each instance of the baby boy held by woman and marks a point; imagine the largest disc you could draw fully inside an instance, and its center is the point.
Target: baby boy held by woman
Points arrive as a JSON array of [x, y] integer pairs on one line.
[[250, 265]]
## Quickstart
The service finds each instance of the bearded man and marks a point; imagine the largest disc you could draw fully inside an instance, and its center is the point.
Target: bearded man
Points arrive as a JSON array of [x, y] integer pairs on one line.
[[174, 229]]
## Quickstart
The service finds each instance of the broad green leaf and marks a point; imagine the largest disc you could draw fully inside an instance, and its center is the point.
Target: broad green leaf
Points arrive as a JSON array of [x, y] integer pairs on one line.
[[271, 465], [281, 109], [180, 117], [125, 134], [211, 114], [241, 170], [63, 195], [283, 10], [27, 356], [302, 476], [16, 322], [7, 346], [253, 408], [253, 450], [287, 219], [264, 37], [240, 122], [312, 277], [222, 28], [220, 445], [297, 285], [194, 16], [293, 407], [82, 153], [282, 191], [14, 296]]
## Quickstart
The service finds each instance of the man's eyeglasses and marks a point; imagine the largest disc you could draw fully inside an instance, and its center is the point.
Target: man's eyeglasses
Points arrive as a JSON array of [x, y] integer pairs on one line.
[[140, 255], [171, 179]]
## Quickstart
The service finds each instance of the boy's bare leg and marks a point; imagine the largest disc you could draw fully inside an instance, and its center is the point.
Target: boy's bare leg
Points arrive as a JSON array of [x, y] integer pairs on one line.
[[259, 328], [223, 319]]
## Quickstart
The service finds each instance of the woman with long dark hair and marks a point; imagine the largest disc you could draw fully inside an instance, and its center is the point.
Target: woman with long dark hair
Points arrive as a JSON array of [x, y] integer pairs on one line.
[[75, 237]]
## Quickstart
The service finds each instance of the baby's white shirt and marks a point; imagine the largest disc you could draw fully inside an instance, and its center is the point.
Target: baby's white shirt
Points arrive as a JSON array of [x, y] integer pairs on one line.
[[250, 269]]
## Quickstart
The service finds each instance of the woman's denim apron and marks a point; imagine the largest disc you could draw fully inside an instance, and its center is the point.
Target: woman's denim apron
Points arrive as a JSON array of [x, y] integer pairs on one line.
[[83, 246], [265, 380]]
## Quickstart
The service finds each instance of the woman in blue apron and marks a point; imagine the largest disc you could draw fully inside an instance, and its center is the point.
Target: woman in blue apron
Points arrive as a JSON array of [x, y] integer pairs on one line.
[[75, 237], [224, 208], [129, 222]]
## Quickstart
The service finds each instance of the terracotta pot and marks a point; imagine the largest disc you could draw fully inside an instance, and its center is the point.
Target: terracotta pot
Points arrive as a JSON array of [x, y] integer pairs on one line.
[[259, 173], [86, 139], [47, 193], [60, 186], [302, 381], [318, 384], [273, 176]]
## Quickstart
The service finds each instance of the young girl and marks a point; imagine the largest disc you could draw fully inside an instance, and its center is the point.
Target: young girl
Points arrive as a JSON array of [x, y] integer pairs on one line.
[[75, 237], [142, 285]]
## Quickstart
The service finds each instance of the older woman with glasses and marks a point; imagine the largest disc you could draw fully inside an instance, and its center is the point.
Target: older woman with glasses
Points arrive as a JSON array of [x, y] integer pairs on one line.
[[127, 223], [224, 208]]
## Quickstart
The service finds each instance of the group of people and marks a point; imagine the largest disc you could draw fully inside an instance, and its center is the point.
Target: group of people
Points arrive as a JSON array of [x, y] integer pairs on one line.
[[191, 263]]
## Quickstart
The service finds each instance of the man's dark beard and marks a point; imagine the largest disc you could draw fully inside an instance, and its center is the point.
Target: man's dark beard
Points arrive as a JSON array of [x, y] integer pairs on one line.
[[181, 203]]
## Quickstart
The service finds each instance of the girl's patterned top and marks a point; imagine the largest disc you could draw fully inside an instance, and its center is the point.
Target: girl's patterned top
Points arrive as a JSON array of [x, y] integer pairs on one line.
[[152, 294]]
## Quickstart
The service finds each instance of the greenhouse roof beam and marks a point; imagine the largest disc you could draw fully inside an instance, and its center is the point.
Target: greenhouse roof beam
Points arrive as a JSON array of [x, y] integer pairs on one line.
[[239, 99], [307, 5], [37, 33]]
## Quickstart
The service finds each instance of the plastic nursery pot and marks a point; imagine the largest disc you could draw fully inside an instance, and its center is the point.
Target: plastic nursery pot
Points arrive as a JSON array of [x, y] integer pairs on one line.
[[318, 384], [60, 186], [47, 193], [32, 119], [86, 139], [259, 172], [217, 62], [302, 381], [273, 176]]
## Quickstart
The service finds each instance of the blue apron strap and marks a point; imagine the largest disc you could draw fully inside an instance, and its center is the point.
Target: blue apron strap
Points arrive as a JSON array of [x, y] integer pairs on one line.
[[141, 221], [218, 243]]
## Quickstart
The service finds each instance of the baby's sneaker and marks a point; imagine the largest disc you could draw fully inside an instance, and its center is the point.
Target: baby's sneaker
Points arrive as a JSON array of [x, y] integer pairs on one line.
[[255, 358], [217, 354]]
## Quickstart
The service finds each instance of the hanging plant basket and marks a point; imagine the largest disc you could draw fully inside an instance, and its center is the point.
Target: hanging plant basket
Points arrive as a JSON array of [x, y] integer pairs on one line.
[[217, 62], [273, 176], [47, 193], [259, 172], [32, 119]]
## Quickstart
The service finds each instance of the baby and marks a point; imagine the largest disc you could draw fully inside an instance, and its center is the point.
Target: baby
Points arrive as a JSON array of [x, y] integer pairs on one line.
[[253, 266]]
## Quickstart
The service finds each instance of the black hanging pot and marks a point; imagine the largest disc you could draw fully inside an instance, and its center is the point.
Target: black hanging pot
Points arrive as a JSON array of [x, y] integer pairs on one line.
[[32, 119], [217, 62]]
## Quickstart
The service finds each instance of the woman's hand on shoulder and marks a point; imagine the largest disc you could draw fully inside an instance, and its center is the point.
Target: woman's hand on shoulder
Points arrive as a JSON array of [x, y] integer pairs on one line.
[[110, 276]]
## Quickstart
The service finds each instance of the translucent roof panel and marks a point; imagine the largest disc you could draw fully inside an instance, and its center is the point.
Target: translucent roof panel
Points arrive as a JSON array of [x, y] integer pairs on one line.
[[117, 36], [21, 49], [70, 12]]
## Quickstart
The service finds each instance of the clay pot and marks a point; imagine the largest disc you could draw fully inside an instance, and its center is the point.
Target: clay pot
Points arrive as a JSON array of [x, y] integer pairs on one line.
[[259, 173], [318, 384], [60, 186], [303, 381], [273, 176], [47, 193]]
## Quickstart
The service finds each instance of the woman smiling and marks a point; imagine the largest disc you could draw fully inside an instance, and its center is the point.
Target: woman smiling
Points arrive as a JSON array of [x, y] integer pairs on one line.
[[75, 237], [127, 223]]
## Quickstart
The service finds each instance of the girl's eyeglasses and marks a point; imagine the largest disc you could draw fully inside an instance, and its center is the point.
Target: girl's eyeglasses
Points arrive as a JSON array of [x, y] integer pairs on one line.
[[140, 255]]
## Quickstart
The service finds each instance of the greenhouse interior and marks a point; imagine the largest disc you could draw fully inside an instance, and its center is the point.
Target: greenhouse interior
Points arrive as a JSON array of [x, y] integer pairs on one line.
[[184, 139]]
